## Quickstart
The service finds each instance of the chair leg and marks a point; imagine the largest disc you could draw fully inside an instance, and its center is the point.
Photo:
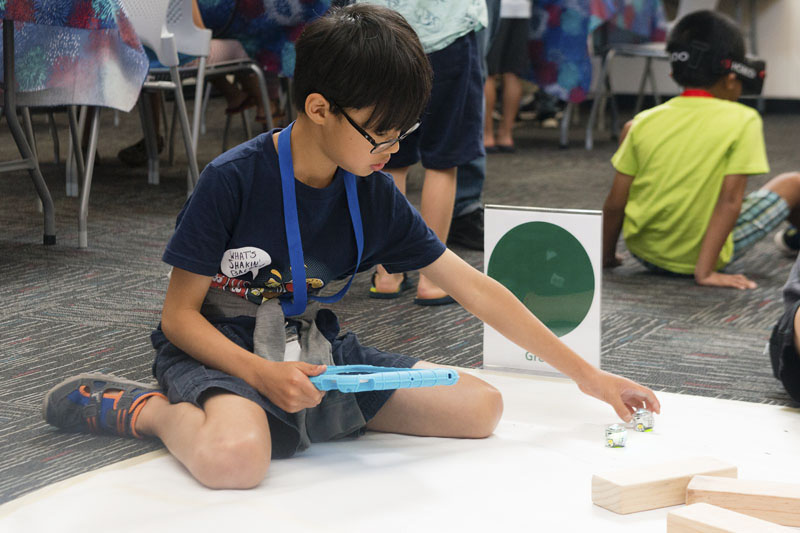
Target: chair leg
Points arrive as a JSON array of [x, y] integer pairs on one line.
[[599, 96], [75, 160], [565, 121], [187, 132], [206, 97], [225, 132], [91, 151], [262, 88], [10, 108], [75, 163], [645, 75], [248, 129], [28, 125], [150, 138], [51, 120], [614, 109], [171, 136]]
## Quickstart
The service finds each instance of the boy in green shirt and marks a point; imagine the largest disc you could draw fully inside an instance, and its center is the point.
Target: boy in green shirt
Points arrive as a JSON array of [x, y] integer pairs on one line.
[[682, 167]]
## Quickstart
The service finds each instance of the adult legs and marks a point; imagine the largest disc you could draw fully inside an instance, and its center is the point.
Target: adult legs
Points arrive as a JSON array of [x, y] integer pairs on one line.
[[469, 409], [224, 445], [436, 208]]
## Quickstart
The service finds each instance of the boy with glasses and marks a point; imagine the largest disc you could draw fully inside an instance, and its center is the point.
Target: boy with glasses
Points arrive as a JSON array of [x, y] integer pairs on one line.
[[276, 219]]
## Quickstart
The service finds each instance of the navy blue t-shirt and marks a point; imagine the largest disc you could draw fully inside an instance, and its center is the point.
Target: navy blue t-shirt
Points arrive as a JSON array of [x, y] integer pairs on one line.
[[232, 227]]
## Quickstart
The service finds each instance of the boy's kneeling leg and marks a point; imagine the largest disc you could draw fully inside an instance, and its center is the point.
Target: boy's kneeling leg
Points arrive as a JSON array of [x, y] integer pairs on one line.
[[787, 186], [225, 445], [469, 409]]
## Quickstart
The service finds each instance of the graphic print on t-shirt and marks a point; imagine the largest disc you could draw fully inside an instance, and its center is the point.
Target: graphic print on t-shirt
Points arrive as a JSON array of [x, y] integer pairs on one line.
[[237, 262]]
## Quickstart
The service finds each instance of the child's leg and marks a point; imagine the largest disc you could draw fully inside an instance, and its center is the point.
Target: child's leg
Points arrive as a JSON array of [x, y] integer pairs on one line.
[[469, 409], [385, 282], [436, 208], [787, 186], [224, 445]]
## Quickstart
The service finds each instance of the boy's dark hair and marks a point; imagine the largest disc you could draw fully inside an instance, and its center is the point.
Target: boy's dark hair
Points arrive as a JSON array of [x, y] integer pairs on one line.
[[361, 56], [698, 45]]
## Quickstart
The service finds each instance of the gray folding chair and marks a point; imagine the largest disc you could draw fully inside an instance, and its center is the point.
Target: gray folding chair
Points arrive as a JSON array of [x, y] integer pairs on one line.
[[648, 51]]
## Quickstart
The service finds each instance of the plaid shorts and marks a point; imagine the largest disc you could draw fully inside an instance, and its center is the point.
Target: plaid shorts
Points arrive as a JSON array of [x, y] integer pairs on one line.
[[762, 211]]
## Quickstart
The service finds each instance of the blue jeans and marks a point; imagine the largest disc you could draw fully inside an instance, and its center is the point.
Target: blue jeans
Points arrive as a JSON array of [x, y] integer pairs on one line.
[[472, 175]]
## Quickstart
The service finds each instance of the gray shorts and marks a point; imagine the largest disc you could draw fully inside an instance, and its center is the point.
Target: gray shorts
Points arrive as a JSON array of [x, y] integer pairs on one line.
[[184, 379]]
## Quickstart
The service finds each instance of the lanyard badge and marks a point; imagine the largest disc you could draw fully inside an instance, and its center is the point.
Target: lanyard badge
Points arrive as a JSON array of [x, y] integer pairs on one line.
[[297, 305]]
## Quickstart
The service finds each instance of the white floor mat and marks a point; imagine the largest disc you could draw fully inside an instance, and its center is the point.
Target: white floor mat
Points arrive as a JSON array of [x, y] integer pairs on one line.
[[534, 474]]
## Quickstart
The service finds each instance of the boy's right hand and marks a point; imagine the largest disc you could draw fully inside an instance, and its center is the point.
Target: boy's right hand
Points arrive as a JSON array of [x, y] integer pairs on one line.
[[287, 385], [718, 279]]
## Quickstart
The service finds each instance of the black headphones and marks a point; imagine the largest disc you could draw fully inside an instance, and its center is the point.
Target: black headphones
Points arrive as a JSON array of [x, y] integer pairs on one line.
[[750, 71]]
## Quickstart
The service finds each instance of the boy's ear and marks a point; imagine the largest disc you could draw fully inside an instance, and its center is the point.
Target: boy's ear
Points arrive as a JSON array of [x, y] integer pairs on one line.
[[730, 80], [317, 108]]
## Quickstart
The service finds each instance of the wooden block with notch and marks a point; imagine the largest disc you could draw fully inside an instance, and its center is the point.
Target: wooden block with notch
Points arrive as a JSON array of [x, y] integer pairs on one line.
[[768, 500], [631, 490], [706, 518]]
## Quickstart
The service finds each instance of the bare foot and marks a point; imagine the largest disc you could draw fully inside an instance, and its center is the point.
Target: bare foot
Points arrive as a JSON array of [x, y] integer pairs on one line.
[[428, 290], [385, 282]]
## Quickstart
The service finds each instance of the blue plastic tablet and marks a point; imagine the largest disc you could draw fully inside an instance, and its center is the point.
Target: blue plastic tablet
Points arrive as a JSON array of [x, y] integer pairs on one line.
[[363, 378]]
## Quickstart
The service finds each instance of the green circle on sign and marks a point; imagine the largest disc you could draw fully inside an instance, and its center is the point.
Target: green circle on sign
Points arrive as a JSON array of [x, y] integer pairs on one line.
[[548, 269]]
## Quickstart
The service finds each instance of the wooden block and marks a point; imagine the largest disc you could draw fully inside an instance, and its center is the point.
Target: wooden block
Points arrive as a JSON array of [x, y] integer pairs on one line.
[[649, 487], [705, 518], [768, 500]]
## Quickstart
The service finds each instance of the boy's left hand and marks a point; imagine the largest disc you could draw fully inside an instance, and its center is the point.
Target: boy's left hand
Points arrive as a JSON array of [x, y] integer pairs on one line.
[[624, 395]]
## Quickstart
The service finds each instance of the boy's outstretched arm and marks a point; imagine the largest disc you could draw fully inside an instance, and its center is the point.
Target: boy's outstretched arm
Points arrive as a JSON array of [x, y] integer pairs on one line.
[[723, 219], [497, 306], [613, 216], [285, 383]]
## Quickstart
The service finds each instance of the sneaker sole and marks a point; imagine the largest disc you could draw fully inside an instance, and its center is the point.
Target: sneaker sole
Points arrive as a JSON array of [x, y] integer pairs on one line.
[[778, 240], [98, 377]]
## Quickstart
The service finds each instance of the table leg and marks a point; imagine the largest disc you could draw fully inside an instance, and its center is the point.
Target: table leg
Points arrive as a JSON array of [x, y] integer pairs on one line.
[[28, 159], [86, 185]]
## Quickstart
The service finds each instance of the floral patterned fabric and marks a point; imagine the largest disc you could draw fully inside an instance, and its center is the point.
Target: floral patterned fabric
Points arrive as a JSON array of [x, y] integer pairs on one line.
[[267, 29], [81, 52], [560, 30]]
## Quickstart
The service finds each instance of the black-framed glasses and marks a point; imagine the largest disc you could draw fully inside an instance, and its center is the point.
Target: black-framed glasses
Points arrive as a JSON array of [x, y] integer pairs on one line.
[[377, 147]]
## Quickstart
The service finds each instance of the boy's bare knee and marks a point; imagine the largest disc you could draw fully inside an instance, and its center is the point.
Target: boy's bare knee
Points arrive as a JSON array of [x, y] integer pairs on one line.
[[231, 461], [787, 186], [486, 412]]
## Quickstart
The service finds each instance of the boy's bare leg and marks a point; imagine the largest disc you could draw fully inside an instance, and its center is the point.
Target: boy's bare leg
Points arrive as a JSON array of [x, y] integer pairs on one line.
[[469, 409], [436, 208], [385, 282], [224, 445], [512, 94], [787, 186]]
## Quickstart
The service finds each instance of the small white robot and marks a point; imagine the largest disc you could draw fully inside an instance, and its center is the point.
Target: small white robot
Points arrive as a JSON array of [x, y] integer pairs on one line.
[[616, 436], [643, 420]]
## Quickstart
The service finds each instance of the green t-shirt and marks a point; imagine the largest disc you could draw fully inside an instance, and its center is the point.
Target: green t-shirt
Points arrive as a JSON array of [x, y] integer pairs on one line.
[[679, 153]]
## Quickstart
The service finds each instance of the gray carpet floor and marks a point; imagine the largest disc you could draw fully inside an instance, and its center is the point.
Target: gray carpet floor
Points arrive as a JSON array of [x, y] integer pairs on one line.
[[65, 311]]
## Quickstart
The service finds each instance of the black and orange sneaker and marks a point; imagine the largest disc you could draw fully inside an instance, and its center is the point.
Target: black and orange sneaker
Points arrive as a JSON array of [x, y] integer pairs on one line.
[[97, 403]]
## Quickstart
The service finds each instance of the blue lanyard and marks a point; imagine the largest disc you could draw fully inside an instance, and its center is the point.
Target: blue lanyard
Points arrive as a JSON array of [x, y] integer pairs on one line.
[[297, 305]]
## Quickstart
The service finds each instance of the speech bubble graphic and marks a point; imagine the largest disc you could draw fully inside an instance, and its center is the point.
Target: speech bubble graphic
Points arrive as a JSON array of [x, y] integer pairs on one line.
[[238, 261]]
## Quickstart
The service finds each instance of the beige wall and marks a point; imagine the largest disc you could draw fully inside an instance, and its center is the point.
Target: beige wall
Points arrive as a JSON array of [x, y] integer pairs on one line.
[[778, 32]]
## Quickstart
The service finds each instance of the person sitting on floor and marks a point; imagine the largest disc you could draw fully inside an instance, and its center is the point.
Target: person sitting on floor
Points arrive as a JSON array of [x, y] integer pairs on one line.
[[682, 166], [229, 402]]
